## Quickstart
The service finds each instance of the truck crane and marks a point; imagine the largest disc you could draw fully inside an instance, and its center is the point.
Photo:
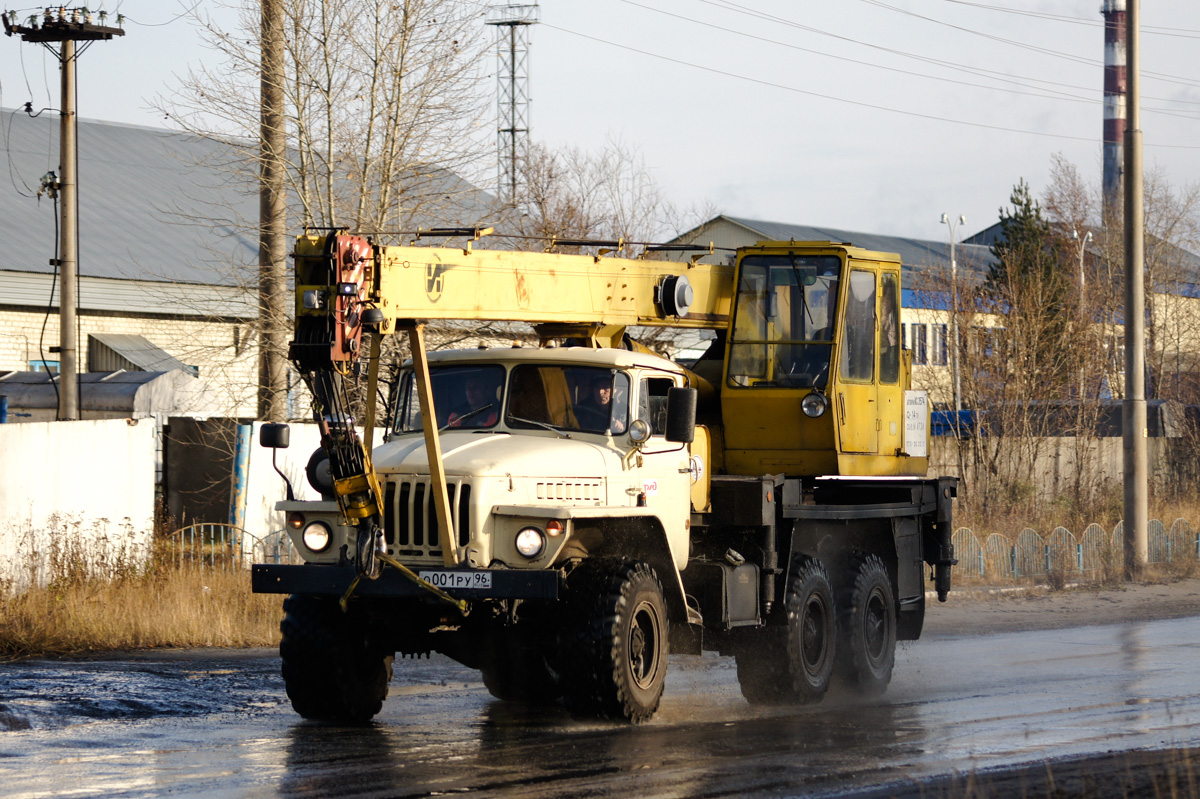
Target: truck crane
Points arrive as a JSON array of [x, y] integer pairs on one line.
[[560, 517]]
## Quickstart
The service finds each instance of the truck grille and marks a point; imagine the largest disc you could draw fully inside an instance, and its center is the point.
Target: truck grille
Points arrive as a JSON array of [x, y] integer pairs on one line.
[[409, 521]]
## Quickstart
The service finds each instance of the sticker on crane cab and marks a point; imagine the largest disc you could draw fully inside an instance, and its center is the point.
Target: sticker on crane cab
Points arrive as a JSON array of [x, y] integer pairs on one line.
[[649, 487], [696, 468]]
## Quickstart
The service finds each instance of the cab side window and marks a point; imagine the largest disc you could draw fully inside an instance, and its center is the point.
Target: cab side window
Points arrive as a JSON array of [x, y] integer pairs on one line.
[[858, 346], [652, 403], [889, 328]]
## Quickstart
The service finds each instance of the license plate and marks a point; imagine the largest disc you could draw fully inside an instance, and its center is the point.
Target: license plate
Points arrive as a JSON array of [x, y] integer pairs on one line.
[[457, 579]]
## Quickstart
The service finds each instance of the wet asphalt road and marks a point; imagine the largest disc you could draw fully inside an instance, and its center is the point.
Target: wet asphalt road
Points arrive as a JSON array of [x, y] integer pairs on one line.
[[219, 725]]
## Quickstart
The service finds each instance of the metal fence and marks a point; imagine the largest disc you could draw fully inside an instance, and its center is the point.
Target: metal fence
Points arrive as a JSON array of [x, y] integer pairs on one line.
[[1035, 555], [225, 547]]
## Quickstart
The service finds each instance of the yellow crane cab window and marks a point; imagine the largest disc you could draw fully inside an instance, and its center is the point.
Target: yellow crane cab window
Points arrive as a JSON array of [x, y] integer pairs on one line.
[[889, 328], [783, 324], [858, 350]]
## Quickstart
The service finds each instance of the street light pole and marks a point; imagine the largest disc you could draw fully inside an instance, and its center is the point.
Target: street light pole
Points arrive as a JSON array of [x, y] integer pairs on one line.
[[1081, 317], [950, 223]]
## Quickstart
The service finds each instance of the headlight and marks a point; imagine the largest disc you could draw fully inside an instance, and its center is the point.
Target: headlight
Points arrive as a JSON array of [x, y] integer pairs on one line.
[[530, 542], [814, 405], [316, 536]]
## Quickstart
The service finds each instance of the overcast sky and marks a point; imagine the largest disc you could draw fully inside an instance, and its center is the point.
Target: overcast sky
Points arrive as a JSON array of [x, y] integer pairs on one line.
[[867, 115]]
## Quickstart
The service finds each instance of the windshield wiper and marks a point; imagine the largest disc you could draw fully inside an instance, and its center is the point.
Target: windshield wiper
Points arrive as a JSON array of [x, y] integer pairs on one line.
[[458, 420], [543, 425]]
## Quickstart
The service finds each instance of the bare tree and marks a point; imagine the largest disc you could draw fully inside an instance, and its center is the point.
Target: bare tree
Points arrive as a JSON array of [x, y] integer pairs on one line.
[[384, 103], [573, 194], [1042, 350]]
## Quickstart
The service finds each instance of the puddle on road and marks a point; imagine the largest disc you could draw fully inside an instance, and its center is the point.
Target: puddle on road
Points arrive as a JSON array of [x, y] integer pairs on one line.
[[37, 695]]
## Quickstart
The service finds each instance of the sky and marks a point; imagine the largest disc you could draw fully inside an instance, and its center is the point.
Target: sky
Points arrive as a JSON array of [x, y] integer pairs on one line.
[[864, 115]]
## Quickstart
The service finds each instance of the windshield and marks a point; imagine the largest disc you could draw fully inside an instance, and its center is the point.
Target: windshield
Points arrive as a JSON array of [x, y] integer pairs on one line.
[[783, 330], [464, 397], [568, 398]]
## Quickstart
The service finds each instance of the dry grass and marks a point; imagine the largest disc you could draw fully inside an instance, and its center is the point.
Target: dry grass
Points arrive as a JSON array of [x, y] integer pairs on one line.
[[164, 607]]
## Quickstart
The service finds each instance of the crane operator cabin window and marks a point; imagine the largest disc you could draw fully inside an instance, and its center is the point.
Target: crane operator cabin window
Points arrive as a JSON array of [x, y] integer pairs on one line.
[[783, 332]]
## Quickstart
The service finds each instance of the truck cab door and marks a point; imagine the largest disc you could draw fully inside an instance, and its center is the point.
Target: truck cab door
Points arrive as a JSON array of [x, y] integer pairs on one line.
[[892, 377], [662, 467], [856, 391]]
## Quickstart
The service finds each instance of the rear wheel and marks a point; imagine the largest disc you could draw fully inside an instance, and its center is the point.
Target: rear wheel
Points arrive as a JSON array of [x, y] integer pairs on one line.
[[868, 628], [332, 670], [795, 665], [613, 656]]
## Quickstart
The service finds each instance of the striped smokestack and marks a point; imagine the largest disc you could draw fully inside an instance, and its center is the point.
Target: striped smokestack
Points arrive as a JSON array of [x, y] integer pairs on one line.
[[1114, 101]]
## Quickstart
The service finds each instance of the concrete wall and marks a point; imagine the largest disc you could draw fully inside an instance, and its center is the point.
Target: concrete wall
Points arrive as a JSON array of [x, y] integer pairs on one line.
[[254, 505], [1173, 464], [74, 495]]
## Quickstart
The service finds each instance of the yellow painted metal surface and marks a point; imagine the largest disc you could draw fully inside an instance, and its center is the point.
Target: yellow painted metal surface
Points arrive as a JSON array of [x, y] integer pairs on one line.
[[861, 432], [444, 283], [701, 457], [762, 428]]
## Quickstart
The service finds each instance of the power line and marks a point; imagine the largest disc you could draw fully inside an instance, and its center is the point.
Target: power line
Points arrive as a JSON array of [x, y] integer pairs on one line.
[[1022, 45], [858, 103], [729, 5], [1025, 80], [1154, 30], [1002, 77]]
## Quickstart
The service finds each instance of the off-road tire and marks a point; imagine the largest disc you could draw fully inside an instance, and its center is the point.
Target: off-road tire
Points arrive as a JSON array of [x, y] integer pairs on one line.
[[867, 638], [613, 648], [332, 670], [793, 665]]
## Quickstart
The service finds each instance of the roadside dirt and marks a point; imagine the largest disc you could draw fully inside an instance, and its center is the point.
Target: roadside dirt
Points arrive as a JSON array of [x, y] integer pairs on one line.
[[977, 611]]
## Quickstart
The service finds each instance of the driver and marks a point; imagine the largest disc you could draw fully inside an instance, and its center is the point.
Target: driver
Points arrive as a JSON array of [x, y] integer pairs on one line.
[[596, 410], [479, 407]]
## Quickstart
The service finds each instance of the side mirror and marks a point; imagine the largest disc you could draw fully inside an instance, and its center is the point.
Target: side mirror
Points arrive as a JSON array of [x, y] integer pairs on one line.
[[275, 436], [681, 415]]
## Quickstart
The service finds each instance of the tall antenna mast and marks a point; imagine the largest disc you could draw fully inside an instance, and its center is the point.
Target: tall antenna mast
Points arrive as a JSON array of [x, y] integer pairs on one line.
[[512, 46]]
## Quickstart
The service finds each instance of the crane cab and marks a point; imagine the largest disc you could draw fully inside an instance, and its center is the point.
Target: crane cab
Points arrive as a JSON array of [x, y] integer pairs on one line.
[[815, 381]]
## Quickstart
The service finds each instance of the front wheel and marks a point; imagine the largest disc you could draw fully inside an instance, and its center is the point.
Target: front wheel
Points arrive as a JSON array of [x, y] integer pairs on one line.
[[331, 668], [868, 620], [613, 657]]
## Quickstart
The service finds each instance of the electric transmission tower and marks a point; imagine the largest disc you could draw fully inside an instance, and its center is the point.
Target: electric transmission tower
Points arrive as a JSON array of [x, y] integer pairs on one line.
[[512, 45]]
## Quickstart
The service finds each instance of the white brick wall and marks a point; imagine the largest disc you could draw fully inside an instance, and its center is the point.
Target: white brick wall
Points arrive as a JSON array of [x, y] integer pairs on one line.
[[231, 370]]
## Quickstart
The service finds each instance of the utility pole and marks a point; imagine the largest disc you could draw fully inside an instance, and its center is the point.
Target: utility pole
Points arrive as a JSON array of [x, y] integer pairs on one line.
[[272, 211], [1133, 408], [66, 26]]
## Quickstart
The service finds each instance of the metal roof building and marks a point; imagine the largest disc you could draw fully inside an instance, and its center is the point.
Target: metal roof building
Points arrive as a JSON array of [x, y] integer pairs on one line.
[[168, 249]]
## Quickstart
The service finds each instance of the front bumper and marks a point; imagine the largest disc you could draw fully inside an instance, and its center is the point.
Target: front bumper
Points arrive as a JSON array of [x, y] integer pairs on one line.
[[322, 580]]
